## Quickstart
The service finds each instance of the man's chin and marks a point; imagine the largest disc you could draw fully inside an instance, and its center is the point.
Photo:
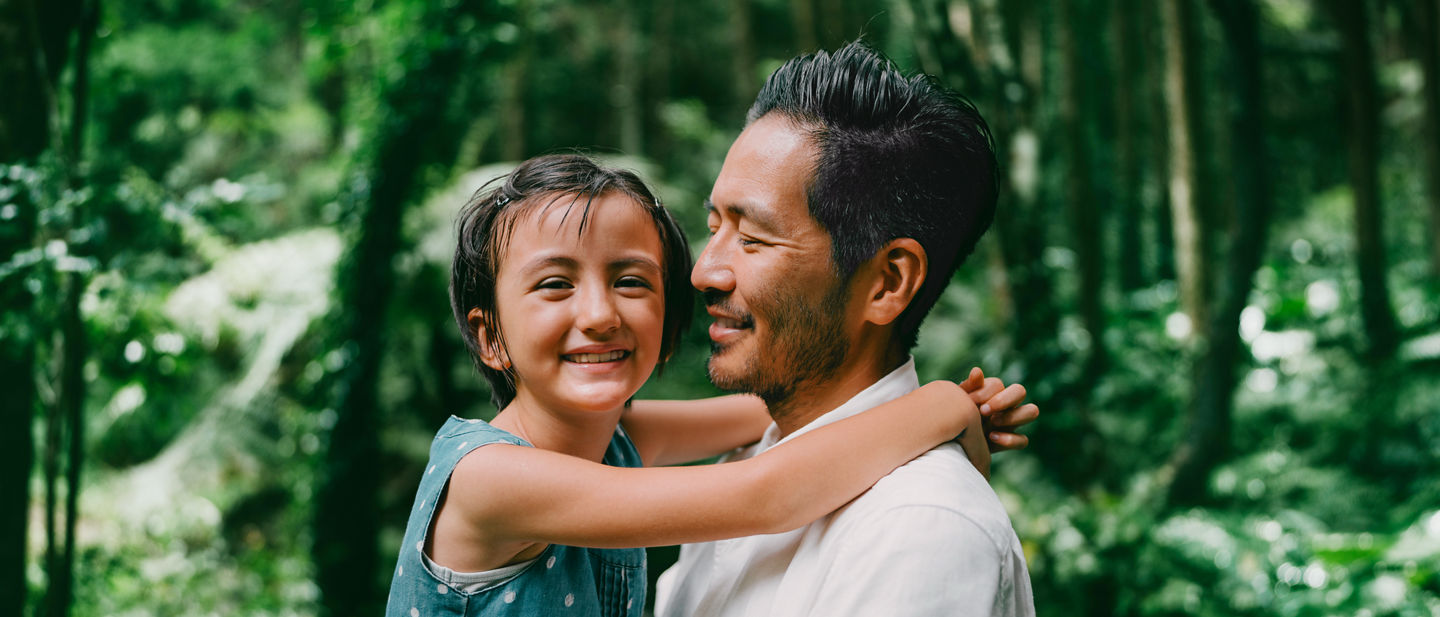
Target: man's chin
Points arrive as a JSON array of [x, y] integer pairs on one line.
[[722, 371]]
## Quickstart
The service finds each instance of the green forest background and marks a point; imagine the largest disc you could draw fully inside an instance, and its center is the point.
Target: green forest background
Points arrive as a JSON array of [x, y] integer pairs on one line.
[[225, 229]]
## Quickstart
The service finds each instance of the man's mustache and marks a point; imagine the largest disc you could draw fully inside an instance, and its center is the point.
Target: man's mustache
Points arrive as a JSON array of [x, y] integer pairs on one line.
[[719, 301]]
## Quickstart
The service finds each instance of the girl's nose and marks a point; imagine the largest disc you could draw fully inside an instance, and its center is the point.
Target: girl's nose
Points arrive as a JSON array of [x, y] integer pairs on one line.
[[597, 313]]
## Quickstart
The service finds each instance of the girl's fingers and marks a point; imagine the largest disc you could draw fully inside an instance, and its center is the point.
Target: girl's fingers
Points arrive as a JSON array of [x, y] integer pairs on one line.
[[992, 387], [974, 381], [1005, 399], [1015, 418], [1000, 442]]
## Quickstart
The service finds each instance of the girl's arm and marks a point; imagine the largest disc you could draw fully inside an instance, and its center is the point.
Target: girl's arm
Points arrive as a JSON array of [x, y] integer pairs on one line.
[[516, 494], [673, 432], [670, 432]]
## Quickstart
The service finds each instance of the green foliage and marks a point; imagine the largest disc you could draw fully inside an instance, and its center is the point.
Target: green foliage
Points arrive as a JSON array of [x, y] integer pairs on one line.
[[233, 145]]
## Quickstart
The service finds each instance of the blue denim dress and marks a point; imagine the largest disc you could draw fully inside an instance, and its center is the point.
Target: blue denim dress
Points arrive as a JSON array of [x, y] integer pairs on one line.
[[563, 580]]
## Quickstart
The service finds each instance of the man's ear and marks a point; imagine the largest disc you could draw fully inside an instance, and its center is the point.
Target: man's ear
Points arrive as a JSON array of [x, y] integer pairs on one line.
[[492, 352], [896, 273]]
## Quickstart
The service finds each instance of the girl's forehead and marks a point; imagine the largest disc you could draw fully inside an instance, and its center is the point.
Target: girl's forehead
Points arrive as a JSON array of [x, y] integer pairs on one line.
[[573, 220]]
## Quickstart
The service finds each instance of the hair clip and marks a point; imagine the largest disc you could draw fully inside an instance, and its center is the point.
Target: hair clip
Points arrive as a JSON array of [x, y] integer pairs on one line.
[[501, 200]]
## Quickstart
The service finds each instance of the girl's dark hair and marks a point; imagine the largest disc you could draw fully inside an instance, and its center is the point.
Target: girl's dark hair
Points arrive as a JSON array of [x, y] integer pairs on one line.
[[488, 218]]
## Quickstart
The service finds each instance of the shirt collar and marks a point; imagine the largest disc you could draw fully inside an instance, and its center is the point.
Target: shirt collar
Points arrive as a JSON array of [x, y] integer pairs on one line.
[[898, 383]]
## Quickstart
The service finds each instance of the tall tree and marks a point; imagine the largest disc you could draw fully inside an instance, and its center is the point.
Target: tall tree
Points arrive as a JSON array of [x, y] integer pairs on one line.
[[997, 57], [1362, 136], [1206, 441], [419, 129], [1427, 16], [629, 78], [742, 56], [1128, 61], [34, 47], [70, 401], [1080, 202], [802, 14], [1187, 152]]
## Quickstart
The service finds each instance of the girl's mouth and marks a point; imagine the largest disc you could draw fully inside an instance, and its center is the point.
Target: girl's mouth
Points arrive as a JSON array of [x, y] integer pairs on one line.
[[595, 358]]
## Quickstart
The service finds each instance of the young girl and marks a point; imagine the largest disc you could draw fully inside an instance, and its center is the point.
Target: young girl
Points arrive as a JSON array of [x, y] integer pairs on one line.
[[570, 284]]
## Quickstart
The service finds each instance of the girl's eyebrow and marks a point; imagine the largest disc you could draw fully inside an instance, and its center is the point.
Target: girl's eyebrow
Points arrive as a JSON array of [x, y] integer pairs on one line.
[[643, 262], [569, 263], [548, 262]]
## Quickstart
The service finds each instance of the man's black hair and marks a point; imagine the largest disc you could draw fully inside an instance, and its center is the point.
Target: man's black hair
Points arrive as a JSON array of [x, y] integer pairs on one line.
[[899, 157], [487, 219]]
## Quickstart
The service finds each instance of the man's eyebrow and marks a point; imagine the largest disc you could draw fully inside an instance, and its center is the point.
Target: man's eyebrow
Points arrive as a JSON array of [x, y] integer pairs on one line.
[[755, 216]]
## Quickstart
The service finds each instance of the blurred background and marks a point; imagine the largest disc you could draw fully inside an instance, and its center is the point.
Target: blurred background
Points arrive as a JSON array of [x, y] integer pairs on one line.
[[225, 232]]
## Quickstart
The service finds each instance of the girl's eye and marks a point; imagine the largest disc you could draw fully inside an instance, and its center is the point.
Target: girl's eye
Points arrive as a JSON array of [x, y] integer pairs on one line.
[[554, 283], [633, 281]]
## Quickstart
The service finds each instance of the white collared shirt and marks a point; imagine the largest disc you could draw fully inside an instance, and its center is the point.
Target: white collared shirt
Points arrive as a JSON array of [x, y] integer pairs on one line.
[[931, 538]]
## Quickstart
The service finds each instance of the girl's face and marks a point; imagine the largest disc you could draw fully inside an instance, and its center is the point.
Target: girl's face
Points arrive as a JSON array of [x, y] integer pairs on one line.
[[582, 313]]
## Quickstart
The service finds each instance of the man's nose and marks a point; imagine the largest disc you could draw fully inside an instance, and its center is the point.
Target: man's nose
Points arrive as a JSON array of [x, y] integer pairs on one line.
[[713, 270]]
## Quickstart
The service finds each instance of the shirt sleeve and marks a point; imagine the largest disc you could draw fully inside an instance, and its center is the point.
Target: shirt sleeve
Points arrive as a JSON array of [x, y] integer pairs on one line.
[[913, 561]]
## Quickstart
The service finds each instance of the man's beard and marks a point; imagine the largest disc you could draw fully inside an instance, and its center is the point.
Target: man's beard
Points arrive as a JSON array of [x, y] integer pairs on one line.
[[806, 346]]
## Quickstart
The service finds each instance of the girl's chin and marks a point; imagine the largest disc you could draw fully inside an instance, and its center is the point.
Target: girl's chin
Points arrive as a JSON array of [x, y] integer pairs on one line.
[[598, 399]]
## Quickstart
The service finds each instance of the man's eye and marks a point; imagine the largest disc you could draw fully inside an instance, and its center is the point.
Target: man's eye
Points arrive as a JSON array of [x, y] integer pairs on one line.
[[750, 242]]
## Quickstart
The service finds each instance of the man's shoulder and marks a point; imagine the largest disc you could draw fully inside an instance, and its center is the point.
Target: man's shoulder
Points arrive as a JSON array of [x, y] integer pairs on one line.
[[940, 485]]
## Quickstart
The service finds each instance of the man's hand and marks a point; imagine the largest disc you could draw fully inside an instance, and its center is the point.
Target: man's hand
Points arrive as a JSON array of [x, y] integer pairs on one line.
[[999, 414]]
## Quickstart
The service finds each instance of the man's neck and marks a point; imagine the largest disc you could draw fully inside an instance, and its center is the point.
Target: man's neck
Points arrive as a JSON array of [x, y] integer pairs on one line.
[[811, 400]]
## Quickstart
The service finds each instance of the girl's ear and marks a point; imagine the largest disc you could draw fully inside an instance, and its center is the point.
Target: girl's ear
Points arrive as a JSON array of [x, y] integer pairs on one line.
[[492, 351]]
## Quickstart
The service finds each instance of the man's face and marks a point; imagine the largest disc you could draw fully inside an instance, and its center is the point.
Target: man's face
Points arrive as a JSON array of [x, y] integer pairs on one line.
[[766, 273]]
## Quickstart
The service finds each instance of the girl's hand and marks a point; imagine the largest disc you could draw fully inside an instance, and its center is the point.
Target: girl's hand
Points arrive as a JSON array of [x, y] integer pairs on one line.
[[1001, 411]]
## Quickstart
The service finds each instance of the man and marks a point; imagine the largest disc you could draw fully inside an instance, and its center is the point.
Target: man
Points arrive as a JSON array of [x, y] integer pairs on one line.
[[838, 217]]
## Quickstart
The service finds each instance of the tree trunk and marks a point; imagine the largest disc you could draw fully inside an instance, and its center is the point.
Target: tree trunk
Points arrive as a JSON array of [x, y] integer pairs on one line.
[[70, 402], [24, 133], [1427, 14], [628, 79], [802, 14], [1085, 216], [1363, 147], [1187, 150], [17, 416], [34, 47], [419, 131], [834, 28], [1129, 260], [742, 60], [1206, 441], [514, 126]]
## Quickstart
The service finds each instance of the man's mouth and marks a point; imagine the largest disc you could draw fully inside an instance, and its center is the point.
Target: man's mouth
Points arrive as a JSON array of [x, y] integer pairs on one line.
[[596, 358], [734, 324]]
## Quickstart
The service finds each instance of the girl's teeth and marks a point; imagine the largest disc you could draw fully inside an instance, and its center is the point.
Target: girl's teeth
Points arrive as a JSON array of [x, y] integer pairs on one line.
[[586, 358]]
